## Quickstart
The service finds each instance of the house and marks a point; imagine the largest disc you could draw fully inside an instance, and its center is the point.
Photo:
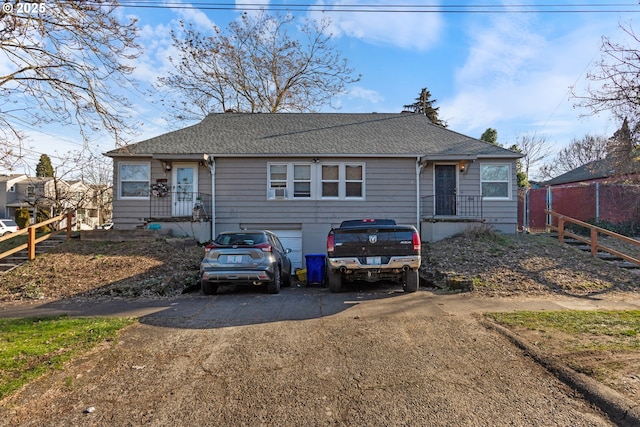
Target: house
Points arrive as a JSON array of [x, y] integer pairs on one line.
[[47, 194], [299, 174]]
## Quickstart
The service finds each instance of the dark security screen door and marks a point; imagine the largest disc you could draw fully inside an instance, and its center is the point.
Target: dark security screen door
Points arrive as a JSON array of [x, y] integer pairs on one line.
[[445, 189]]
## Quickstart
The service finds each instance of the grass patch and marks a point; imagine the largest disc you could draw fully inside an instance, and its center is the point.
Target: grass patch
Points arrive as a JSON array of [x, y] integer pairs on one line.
[[593, 330], [32, 347]]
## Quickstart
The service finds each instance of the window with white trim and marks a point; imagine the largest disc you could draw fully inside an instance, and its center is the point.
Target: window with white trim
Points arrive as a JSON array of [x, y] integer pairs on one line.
[[301, 181], [354, 181], [330, 181], [12, 189], [134, 180], [495, 181], [313, 181]]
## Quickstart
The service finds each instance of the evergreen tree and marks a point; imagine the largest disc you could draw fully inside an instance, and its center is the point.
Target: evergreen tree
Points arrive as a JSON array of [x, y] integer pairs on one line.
[[424, 105], [44, 167], [623, 150], [491, 136]]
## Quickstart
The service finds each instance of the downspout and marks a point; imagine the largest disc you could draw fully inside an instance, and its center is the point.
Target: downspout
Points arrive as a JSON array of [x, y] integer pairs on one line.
[[597, 202], [419, 167], [212, 169]]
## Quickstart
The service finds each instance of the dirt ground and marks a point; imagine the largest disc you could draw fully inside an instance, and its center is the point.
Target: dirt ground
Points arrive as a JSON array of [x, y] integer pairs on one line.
[[358, 367]]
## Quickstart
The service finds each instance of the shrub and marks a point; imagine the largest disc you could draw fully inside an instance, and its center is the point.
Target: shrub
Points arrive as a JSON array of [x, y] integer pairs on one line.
[[22, 217]]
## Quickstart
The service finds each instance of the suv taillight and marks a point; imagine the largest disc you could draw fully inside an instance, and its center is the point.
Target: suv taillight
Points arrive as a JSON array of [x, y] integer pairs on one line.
[[208, 248], [416, 242], [265, 247]]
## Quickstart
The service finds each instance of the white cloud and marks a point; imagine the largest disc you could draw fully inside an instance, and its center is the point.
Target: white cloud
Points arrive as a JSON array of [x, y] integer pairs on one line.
[[196, 17], [406, 30], [518, 75]]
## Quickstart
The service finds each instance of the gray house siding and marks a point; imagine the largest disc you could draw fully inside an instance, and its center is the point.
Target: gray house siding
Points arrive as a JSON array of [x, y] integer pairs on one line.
[[500, 215], [241, 198]]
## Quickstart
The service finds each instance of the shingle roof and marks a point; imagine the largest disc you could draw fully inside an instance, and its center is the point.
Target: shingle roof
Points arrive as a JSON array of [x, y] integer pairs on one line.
[[241, 134], [596, 169]]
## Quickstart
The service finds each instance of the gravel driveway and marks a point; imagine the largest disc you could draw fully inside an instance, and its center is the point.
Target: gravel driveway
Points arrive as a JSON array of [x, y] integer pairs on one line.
[[381, 358]]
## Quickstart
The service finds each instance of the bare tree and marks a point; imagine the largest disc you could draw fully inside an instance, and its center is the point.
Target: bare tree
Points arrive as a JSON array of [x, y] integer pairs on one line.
[[97, 173], [61, 63], [535, 149], [615, 87], [578, 153], [255, 67]]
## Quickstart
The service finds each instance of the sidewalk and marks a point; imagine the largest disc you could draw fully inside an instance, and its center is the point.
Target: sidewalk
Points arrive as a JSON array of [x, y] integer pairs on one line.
[[460, 303]]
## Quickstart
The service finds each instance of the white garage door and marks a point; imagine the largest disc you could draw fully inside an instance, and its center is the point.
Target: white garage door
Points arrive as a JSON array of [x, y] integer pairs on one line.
[[292, 239]]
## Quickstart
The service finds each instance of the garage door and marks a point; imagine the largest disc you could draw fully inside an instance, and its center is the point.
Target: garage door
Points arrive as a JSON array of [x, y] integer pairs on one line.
[[292, 239]]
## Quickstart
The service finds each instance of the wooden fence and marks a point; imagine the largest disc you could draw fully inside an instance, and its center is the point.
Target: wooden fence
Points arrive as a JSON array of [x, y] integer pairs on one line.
[[559, 222], [32, 241]]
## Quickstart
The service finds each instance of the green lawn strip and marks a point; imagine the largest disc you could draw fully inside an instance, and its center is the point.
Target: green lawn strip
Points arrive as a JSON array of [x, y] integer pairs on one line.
[[616, 329], [31, 347]]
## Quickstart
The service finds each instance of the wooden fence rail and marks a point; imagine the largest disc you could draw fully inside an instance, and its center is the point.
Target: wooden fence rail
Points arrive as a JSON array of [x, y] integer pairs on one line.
[[592, 241], [32, 241]]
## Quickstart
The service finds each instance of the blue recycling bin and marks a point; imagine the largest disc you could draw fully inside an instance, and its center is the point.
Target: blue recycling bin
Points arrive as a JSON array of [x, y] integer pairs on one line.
[[315, 268]]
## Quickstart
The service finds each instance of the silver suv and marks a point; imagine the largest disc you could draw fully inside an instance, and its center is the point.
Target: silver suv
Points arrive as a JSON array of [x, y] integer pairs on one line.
[[245, 258], [8, 226]]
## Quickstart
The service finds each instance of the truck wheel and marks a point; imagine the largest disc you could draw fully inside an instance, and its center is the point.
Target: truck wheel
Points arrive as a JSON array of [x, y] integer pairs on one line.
[[208, 288], [274, 286], [335, 281], [411, 281]]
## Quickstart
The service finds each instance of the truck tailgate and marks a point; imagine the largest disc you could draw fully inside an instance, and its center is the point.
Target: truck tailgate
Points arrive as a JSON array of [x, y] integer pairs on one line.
[[370, 242]]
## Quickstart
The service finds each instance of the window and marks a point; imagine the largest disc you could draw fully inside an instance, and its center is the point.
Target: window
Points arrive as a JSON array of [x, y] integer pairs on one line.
[[301, 181], [12, 189], [495, 182], [330, 180], [134, 180], [353, 181], [315, 181], [31, 191]]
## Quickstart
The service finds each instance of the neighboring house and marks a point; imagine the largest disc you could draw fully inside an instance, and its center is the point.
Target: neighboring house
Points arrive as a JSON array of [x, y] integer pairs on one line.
[[594, 171], [300, 174], [591, 192], [49, 195]]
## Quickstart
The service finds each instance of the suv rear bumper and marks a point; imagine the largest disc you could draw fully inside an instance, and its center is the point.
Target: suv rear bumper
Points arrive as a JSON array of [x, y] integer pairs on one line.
[[255, 277]]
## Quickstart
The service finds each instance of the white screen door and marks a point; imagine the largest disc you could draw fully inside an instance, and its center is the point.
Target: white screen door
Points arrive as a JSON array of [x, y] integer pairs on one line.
[[185, 188]]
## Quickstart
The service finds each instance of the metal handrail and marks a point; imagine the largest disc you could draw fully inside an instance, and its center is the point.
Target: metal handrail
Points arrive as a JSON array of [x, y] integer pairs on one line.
[[459, 206]]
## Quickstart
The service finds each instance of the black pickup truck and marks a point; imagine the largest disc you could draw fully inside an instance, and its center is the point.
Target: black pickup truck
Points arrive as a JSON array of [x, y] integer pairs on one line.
[[373, 250]]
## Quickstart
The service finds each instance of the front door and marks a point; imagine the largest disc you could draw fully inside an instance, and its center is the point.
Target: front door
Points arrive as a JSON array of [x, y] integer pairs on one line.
[[185, 188], [445, 191]]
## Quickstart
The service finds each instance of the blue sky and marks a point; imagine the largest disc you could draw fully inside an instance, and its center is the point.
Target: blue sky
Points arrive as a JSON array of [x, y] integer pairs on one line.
[[504, 70]]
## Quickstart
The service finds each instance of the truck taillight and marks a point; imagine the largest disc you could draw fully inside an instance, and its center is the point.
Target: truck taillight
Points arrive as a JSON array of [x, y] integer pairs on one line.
[[331, 243], [416, 242]]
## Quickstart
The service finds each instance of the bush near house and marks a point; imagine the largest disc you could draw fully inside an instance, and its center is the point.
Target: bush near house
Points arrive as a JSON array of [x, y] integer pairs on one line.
[[22, 217]]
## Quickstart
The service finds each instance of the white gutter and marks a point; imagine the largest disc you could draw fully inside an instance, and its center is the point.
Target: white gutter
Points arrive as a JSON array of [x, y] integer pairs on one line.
[[418, 170], [212, 168]]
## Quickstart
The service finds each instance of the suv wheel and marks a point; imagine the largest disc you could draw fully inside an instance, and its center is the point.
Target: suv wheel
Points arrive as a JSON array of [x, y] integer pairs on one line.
[[274, 286], [286, 279], [411, 281]]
